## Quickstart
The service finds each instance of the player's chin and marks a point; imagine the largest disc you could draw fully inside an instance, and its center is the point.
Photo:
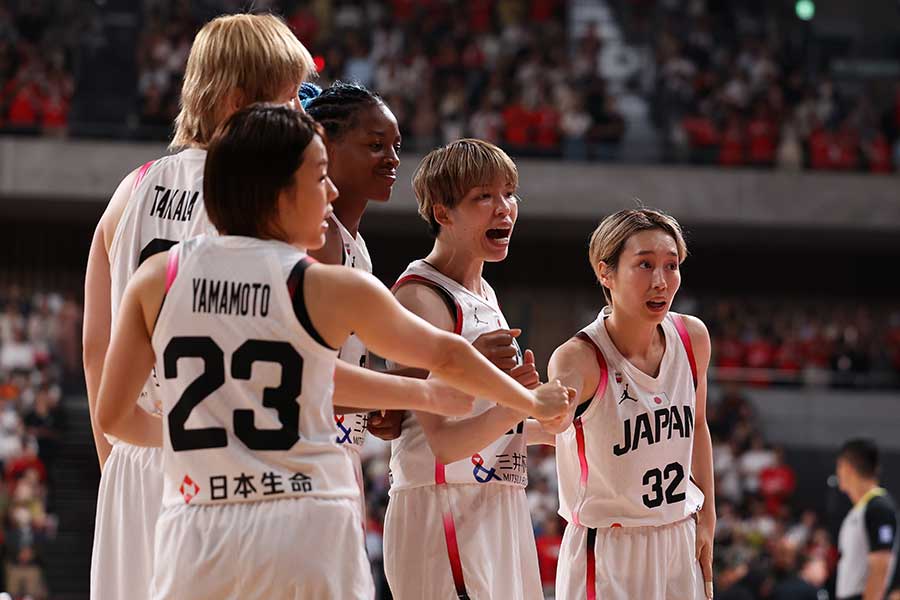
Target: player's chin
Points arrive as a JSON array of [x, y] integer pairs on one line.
[[493, 253], [380, 193], [316, 240]]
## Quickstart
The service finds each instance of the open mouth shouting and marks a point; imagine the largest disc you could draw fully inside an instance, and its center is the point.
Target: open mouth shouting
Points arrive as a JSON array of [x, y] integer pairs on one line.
[[499, 236]]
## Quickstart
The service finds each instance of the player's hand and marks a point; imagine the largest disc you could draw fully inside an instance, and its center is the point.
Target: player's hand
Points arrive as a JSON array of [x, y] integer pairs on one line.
[[706, 529], [386, 424], [497, 346], [551, 401], [558, 425], [526, 373], [446, 400]]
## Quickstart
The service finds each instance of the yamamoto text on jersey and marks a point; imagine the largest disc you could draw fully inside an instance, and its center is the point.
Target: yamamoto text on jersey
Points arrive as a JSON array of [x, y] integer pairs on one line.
[[173, 204], [236, 298], [665, 421]]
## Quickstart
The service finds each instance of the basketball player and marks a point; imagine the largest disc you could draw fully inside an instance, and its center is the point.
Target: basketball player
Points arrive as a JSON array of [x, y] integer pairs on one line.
[[363, 143], [457, 523], [635, 457], [245, 319]]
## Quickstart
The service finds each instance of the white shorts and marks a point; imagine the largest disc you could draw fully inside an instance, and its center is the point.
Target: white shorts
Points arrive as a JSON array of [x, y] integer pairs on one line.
[[493, 532], [290, 549], [128, 503], [650, 563]]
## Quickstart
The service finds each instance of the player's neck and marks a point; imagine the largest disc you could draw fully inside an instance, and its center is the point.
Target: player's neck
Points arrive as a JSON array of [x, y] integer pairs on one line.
[[460, 266], [861, 488], [349, 212], [634, 339]]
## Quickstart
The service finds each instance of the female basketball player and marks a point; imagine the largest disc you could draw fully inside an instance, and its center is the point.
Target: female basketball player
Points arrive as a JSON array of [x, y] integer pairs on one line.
[[243, 319], [635, 457], [457, 524], [363, 143]]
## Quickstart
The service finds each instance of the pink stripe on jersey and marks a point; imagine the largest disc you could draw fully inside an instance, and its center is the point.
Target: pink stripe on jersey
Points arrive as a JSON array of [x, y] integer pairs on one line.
[[579, 429], [582, 460], [681, 328], [171, 268], [141, 172]]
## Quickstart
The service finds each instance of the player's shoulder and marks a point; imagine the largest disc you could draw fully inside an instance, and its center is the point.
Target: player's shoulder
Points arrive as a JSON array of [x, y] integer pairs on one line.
[[339, 281], [427, 300], [697, 331], [578, 350]]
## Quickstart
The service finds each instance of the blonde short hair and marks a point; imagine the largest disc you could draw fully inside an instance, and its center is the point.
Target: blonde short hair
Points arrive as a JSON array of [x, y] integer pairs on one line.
[[448, 173], [609, 238], [257, 54]]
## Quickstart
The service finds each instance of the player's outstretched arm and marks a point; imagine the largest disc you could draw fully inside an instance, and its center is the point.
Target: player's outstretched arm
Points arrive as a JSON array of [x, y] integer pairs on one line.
[[574, 364], [343, 300], [536, 435], [371, 390], [130, 359], [97, 310]]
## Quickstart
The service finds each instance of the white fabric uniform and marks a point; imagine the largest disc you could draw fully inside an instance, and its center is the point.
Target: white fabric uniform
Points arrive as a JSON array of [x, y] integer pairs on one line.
[[250, 465], [625, 463], [650, 563], [166, 206], [482, 498], [351, 427]]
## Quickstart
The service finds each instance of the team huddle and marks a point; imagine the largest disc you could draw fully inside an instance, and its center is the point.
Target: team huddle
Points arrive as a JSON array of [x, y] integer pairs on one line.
[[229, 316]]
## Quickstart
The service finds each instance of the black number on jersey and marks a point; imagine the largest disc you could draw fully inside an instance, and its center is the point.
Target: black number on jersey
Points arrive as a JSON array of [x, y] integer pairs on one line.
[[209, 381], [282, 398], [654, 478], [155, 246]]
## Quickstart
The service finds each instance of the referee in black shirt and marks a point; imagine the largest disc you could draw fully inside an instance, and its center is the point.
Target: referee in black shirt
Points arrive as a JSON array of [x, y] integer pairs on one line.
[[868, 541]]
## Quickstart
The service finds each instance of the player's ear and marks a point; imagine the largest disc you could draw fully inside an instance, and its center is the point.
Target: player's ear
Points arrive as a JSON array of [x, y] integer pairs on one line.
[[604, 274], [441, 215]]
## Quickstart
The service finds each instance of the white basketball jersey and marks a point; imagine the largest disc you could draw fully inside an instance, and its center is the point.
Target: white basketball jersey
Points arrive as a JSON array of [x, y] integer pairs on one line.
[[502, 462], [246, 381], [626, 460], [166, 207], [351, 428]]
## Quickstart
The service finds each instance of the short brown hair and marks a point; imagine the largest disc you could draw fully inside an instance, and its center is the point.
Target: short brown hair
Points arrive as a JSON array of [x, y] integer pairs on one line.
[[253, 157], [257, 54], [447, 174], [609, 238]]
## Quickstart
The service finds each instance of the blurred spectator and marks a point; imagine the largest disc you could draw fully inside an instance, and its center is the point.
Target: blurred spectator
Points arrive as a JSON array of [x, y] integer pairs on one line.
[[24, 541], [777, 483], [753, 461], [44, 423], [548, 542], [790, 584]]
